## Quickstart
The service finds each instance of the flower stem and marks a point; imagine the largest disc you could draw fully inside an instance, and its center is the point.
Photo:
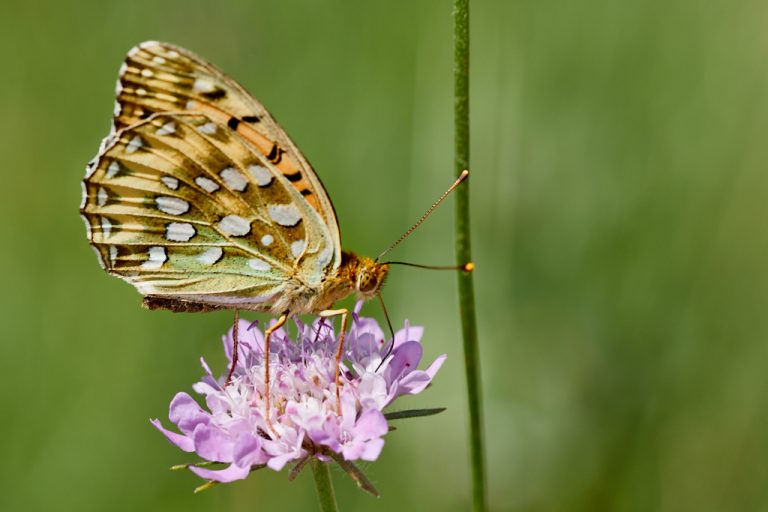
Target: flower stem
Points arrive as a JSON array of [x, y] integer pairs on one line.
[[324, 486], [464, 253]]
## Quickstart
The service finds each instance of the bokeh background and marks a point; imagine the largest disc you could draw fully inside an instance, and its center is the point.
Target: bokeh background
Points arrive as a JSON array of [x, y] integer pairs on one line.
[[619, 209]]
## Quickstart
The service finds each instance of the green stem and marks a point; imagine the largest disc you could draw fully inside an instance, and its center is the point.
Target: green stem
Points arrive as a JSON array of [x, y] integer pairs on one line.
[[464, 253], [324, 486]]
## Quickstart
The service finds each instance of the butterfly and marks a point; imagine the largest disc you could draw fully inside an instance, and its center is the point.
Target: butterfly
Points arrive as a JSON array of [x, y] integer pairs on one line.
[[200, 200]]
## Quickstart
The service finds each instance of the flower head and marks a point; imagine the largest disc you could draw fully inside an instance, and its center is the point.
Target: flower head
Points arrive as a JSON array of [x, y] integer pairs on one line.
[[304, 419]]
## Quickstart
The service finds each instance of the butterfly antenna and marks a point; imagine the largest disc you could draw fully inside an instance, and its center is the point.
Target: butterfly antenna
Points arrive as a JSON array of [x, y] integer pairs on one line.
[[456, 183], [466, 267], [391, 331]]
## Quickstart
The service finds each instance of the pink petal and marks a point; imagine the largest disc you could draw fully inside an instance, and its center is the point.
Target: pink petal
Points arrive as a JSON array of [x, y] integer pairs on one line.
[[372, 449], [435, 366], [352, 451], [279, 462], [248, 451], [212, 443], [371, 424], [183, 442], [405, 359], [413, 383], [186, 413], [409, 333], [229, 474]]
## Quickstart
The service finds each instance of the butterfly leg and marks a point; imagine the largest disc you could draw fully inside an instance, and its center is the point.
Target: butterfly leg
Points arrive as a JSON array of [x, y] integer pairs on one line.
[[234, 348], [340, 351], [320, 326], [267, 336]]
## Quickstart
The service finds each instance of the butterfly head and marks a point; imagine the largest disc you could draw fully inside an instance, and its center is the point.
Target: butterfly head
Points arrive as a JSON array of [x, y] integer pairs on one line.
[[369, 277], [365, 275]]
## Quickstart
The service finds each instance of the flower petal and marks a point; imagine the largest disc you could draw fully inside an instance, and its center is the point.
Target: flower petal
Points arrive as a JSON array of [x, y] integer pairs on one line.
[[372, 391], [248, 451], [413, 383], [372, 449], [435, 366], [404, 360], [371, 424], [228, 474], [211, 443], [182, 441], [408, 333], [186, 413], [277, 463]]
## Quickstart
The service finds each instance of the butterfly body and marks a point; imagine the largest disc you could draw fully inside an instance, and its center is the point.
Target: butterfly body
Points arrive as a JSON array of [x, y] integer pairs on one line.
[[359, 275], [200, 200]]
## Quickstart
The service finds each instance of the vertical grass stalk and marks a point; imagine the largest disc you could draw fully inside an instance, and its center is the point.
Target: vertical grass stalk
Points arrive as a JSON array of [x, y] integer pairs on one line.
[[464, 253], [324, 486]]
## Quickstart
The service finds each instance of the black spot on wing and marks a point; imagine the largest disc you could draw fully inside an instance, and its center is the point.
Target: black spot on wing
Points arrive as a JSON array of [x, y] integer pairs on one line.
[[233, 122], [275, 154], [293, 178], [215, 94]]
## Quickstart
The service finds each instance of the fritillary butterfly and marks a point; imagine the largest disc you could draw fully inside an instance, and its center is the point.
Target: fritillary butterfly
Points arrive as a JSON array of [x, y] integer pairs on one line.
[[200, 200]]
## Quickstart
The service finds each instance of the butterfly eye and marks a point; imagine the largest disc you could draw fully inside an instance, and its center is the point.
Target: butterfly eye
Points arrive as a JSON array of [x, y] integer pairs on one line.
[[366, 282]]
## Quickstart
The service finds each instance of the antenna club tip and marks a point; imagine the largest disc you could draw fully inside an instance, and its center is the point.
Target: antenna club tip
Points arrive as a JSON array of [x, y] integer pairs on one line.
[[468, 267], [464, 174]]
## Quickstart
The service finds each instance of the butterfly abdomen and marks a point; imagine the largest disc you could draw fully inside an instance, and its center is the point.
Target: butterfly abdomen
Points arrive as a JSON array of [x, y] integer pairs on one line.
[[179, 306]]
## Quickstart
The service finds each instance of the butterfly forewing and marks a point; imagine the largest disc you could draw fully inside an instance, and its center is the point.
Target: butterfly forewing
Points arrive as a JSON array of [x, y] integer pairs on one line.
[[183, 202], [158, 77]]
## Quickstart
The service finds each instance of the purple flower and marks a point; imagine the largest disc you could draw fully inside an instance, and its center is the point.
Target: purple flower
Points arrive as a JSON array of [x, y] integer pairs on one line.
[[232, 428]]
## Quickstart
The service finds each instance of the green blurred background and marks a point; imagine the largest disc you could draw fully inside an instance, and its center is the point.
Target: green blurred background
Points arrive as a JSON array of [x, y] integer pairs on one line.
[[619, 211]]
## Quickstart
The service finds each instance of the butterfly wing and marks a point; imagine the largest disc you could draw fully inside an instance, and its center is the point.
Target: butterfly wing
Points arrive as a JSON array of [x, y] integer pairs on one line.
[[184, 202], [159, 77]]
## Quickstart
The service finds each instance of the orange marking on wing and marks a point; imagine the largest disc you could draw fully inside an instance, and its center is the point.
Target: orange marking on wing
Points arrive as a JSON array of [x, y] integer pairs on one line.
[[286, 165]]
